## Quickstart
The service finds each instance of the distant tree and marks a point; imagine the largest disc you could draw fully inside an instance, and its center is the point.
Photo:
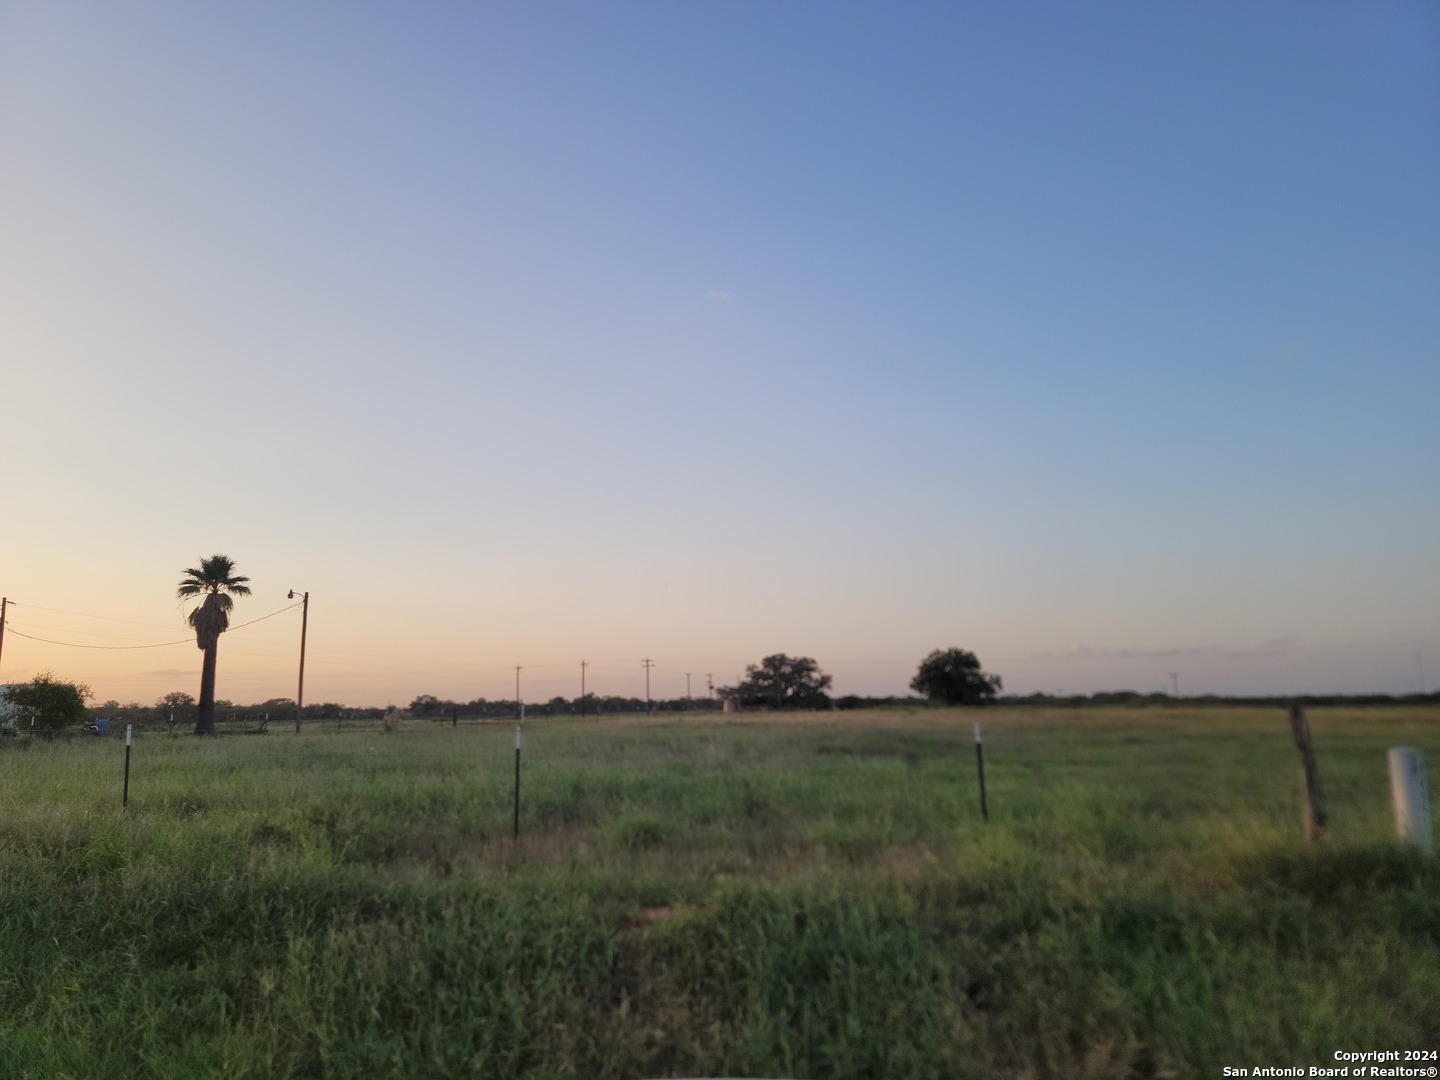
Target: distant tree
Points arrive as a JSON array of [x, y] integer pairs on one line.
[[424, 705], [174, 707], [954, 677], [46, 705], [216, 580], [781, 682]]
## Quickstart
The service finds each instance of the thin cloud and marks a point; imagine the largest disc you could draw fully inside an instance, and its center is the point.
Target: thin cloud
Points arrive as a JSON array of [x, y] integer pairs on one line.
[[719, 296], [1273, 647]]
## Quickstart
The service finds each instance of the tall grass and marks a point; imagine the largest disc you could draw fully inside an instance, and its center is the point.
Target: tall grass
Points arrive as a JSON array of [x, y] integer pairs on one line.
[[814, 897]]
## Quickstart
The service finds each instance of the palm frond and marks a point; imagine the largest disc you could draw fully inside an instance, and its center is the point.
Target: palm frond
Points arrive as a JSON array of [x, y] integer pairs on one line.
[[215, 575]]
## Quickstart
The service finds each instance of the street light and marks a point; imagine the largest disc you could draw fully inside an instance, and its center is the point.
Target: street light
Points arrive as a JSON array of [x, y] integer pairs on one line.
[[304, 624]]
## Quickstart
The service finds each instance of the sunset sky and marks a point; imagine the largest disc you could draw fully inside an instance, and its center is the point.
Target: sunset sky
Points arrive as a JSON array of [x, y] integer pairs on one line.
[[1102, 340]]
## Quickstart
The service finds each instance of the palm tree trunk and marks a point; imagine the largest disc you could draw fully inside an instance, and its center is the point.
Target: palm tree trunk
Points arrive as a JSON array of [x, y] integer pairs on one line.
[[205, 712]]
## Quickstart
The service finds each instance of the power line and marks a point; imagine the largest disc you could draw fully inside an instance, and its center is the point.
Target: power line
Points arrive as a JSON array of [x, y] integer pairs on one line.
[[86, 615], [73, 645], [155, 645], [88, 633], [157, 626]]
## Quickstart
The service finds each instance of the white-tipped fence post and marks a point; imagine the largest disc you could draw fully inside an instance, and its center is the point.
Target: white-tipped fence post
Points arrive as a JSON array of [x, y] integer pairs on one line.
[[1410, 789], [517, 782], [125, 794], [980, 765]]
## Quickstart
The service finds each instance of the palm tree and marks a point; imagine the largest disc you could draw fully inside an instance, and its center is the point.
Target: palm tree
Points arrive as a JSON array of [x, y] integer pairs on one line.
[[217, 581]]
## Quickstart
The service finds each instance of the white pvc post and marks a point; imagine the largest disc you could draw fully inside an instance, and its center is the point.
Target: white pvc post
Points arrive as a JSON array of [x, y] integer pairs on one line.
[[1411, 793]]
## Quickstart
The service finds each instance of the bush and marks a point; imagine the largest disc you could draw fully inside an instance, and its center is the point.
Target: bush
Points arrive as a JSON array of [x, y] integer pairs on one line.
[[47, 705]]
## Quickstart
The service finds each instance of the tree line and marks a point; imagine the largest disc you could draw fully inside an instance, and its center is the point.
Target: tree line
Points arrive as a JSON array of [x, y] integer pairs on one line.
[[434, 708], [781, 682], [951, 676]]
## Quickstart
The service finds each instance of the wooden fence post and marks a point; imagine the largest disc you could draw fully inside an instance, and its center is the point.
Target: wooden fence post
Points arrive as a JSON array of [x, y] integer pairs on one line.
[[1313, 811]]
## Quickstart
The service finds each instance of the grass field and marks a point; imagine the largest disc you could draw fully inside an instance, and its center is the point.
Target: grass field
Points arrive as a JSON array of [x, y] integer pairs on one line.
[[809, 896]]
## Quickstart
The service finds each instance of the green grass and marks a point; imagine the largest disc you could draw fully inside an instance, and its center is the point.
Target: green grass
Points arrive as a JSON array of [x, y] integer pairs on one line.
[[810, 897]]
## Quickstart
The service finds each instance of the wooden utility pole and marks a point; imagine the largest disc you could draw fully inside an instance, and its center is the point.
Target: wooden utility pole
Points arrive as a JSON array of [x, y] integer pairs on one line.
[[3, 603], [648, 663], [583, 666], [304, 626], [1313, 811]]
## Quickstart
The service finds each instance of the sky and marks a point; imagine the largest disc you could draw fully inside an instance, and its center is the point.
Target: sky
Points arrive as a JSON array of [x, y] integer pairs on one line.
[[1101, 340]]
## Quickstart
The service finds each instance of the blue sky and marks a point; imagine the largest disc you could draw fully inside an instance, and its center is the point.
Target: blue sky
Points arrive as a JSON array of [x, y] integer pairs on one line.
[[1101, 340]]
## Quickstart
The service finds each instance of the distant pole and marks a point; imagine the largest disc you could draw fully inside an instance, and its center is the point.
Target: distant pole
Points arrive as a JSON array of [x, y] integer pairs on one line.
[[687, 691], [583, 666], [980, 765], [1314, 809], [1419, 660], [648, 663], [304, 626], [1174, 684], [4, 602], [518, 712], [125, 796], [517, 782]]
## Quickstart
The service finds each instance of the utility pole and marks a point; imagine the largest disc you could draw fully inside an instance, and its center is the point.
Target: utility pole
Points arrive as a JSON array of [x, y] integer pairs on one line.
[[1174, 684], [583, 666], [710, 684], [687, 691], [519, 709], [648, 664], [304, 625], [5, 601]]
